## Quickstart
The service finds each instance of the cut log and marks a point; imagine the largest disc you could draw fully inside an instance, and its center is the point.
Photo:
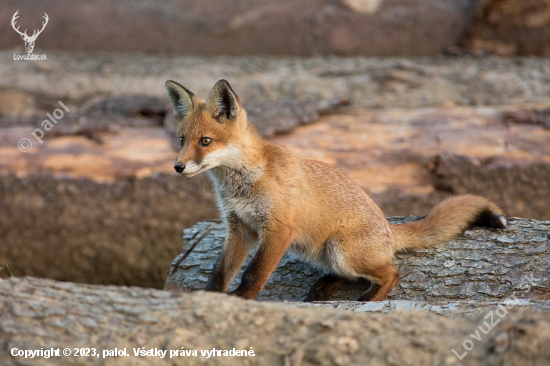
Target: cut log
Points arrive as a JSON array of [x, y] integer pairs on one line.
[[480, 265], [38, 314]]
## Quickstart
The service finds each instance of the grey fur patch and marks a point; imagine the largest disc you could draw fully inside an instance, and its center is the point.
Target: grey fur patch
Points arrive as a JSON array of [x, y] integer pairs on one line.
[[233, 188]]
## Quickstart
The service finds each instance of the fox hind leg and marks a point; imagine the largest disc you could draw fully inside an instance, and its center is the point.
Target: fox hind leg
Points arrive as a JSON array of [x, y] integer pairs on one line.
[[367, 254], [385, 277]]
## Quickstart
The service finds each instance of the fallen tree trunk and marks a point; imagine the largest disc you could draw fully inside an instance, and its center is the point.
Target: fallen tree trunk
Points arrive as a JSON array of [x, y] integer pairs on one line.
[[480, 265], [98, 321]]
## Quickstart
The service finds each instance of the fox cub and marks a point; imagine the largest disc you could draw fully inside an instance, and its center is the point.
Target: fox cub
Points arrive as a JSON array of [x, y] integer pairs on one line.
[[270, 197]]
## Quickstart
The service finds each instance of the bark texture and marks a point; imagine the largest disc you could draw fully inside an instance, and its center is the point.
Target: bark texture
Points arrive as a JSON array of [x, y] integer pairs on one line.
[[482, 264], [38, 313], [369, 82]]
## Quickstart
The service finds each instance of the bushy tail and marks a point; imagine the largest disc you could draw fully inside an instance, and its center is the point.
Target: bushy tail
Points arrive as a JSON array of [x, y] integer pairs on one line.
[[446, 220]]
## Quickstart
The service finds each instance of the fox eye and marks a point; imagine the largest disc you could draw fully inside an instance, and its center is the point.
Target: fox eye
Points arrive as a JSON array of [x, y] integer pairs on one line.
[[205, 141], [181, 141]]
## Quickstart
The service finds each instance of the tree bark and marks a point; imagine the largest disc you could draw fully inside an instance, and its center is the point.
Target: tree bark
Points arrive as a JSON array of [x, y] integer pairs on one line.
[[482, 264], [40, 314]]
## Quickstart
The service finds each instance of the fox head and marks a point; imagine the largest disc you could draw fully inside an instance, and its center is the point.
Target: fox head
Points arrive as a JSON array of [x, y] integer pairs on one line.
[[211, 132]]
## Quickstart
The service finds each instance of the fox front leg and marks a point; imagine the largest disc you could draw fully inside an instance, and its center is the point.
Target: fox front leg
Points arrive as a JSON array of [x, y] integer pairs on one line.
[[273, 244], [238, 243]]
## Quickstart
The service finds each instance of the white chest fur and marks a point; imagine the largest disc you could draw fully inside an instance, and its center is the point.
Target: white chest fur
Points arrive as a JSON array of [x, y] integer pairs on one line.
[[251, 210], [236, 195]]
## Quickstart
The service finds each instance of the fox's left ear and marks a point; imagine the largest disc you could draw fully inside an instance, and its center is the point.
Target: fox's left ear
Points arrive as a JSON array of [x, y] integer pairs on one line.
[[223, 103]]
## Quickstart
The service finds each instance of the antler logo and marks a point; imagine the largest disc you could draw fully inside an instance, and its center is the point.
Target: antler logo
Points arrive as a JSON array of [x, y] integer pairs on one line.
[[29, 41]]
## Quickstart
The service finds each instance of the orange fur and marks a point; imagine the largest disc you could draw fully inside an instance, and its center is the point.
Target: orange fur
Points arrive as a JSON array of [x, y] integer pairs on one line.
[[445, 221], [268, 195]]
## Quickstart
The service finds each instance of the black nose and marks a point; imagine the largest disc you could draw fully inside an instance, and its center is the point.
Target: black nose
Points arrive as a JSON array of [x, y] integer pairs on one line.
[[179, 167]]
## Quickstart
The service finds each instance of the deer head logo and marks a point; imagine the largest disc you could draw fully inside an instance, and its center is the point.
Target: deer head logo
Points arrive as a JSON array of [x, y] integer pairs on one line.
[[29, 41]]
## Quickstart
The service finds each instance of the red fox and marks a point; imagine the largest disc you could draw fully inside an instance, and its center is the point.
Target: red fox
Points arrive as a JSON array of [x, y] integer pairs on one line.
[[270, 197]]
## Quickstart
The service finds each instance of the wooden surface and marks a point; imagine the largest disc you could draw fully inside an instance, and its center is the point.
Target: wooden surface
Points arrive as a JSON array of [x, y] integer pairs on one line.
[[40, 313], [483, 264]]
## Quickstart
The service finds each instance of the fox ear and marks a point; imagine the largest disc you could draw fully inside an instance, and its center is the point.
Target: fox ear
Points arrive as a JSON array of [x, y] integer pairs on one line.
[[223, 103], [181, 99]]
